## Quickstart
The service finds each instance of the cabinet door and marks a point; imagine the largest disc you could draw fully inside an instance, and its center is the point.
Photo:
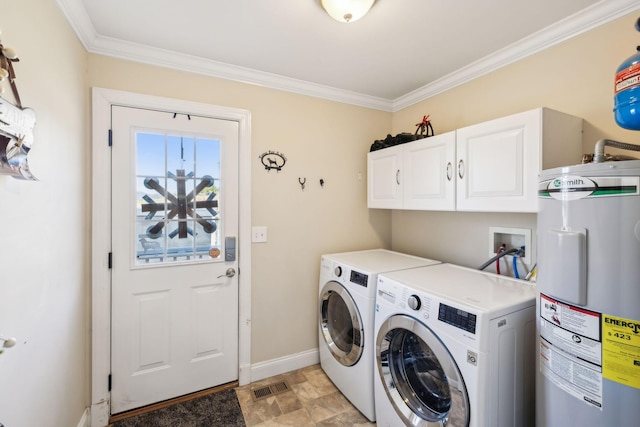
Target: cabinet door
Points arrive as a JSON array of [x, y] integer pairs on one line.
[[498, 164], [383, 178], [429, 173]]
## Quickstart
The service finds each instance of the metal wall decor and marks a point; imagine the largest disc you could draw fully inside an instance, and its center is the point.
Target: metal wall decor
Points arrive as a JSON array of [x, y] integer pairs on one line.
[[273, 160], [181, 204], [16, 123]]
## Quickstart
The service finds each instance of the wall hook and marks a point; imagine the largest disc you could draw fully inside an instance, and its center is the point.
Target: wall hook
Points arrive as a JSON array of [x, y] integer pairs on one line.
[[321, 182], [302, 182]]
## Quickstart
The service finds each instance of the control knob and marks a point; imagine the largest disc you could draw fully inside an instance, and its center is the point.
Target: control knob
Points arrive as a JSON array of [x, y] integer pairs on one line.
[[338, 271], [414, 302]]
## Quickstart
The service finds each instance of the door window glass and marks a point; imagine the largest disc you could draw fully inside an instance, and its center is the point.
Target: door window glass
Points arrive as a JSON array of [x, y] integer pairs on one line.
[[422, 379], [178, 199], [339, 323], [428, 385]]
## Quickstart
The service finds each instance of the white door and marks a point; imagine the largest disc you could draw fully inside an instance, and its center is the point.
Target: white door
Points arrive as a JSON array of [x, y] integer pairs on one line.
[[174, 288]]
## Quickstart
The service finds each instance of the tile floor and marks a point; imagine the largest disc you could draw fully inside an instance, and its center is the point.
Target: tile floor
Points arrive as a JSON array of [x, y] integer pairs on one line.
[[312, 401]]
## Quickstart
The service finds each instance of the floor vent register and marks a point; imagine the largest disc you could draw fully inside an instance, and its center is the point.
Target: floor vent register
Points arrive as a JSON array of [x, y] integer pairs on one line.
[[270, 390]]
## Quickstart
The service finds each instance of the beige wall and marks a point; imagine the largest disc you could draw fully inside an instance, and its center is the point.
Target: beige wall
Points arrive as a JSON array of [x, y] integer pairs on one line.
[[575, 77], [321, 140], [44, 254], [44, 242]]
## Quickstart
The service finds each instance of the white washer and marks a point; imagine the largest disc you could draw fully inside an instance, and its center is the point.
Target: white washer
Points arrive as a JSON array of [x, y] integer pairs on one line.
[[346, 303], [455, 347]]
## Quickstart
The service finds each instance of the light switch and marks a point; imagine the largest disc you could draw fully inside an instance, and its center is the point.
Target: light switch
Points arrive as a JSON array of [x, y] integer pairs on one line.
[[259, 234]]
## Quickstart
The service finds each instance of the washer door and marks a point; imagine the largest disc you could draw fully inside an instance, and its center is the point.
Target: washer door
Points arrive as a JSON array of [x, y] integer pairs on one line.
[[341, 324], [420, 377]]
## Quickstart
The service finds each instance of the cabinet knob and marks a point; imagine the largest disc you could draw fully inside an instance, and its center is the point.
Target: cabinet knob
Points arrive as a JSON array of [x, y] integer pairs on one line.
[[461, 168]]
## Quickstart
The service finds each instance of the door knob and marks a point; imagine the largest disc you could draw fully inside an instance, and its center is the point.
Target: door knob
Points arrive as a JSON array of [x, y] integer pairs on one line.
[[7, 342], [229, 273]]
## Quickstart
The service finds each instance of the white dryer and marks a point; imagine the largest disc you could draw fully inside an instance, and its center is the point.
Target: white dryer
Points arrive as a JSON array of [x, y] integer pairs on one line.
[[346, 303], [454, 347]]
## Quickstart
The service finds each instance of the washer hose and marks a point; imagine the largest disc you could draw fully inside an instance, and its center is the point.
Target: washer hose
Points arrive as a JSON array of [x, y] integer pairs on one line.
[[497, 257]]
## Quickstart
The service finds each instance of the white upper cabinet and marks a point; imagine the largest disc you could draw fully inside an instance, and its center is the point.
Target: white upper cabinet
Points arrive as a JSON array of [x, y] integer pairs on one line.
[[383, 178], [414, 175], [488, 167], [498, 161], [428, 170]]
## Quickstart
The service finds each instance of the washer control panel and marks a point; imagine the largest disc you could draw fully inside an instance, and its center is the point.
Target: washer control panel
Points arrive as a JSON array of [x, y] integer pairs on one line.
[[359, 278], [458, 318]]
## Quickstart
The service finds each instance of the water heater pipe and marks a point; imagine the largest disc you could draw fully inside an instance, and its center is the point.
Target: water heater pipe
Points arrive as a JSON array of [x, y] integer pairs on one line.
[[598, 151]]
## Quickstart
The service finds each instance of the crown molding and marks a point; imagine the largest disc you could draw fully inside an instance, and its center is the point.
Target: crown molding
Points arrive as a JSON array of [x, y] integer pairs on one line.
[[588, 19], [591, 17], [79, 20], [179, 61]]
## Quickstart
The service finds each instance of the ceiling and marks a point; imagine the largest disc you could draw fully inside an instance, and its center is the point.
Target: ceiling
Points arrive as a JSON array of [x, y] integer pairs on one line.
[[402, 52]]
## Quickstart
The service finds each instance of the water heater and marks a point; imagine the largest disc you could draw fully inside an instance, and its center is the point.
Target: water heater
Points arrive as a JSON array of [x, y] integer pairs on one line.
[[588, 302]]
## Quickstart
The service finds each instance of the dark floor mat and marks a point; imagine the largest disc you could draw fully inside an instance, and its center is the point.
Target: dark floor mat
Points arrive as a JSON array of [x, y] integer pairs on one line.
[[220, 409]]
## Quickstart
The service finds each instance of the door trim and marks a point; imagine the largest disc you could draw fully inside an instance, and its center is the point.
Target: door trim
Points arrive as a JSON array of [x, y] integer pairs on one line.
[[102, 100]]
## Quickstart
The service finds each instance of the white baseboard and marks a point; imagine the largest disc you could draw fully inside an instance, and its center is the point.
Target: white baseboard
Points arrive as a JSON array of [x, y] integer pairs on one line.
[[281, 365], [85, 420]]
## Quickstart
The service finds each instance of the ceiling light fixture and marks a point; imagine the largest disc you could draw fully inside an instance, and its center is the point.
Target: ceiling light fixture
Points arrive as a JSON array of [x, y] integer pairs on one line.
[[347, 10]]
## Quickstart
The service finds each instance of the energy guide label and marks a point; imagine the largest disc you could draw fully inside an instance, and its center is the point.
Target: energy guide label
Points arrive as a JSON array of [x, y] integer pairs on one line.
[[571, 349], [621, 350]]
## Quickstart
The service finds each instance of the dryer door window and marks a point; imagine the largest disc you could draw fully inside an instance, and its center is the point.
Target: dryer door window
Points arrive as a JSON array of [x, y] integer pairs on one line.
[[341, 324], [420, 376]]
